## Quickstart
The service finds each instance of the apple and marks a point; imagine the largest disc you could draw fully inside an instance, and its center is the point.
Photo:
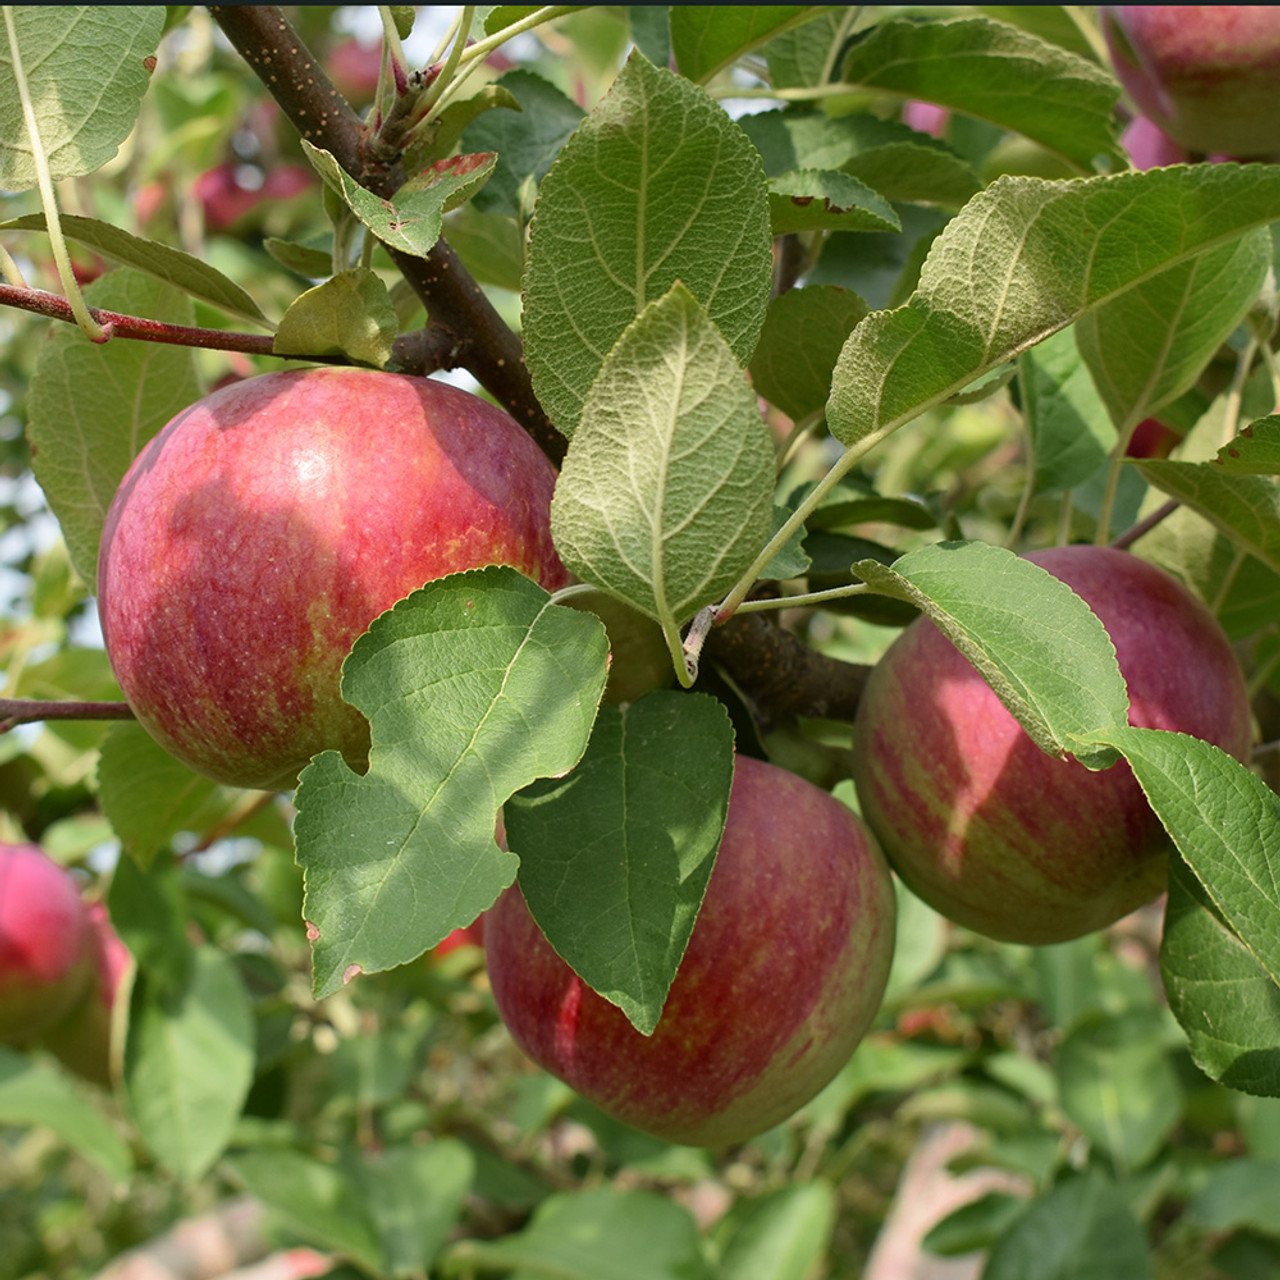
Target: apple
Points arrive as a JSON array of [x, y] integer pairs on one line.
[[782, 976], [46, 944], [994, 833], [1207, 75], [1151, 438], [82, 1039], [265, 527], [1149, 147]]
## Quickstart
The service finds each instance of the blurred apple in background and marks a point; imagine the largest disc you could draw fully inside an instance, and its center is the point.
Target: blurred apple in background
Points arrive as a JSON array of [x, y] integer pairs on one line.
[[47, 944], [1207, 75]]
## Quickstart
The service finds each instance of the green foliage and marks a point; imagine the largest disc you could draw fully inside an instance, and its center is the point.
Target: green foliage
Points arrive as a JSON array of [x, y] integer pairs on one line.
[[808, 359]]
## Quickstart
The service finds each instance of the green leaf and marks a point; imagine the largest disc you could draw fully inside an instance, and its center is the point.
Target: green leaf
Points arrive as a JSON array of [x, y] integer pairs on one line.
[[781, 1235], [597, 1234], [1224, 821], [651, 31], [446, 130], [1025, 258], [706, 38], [412, 218], [1244, 507], [37, 1093], [1051, 22], [314, 264], [920, 170], [415, 1196], [1039, 646], [998, 73], [189, 1064], [349, 315], [1149, 345], [791, 560], [657, 185], [525, 142], [324, 1202], [797, 57], [1240, 1193], [804, 330], [147, 795], [1225, 1001], [1255, 451], [149, 910], [184, 272], [636, 826], [1083, 1229], [666, 495], [1070, 429], [475, 685], [85, 73], [1117, 1084], [975, 1225], [92, 407], [490, 245], [826, 200]]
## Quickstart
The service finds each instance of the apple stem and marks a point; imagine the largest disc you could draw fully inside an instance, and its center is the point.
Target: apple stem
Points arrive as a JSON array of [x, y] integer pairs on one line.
[[1132, 534]]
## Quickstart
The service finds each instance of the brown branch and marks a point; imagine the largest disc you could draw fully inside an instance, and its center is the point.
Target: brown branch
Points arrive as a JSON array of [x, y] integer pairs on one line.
[[118, 325], [16, 711], [781, 674], [478, 338], [422, 351]]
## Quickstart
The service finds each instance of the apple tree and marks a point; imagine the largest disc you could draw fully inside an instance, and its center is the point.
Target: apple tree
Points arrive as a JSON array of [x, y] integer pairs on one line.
[[462, 470]]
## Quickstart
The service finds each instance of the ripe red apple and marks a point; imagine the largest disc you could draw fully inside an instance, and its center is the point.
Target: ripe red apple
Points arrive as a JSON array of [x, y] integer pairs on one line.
[[46, 944], [783, 974], [261, 531], [1208, 75], [991, 831], [1149, 147], [82, 1039]]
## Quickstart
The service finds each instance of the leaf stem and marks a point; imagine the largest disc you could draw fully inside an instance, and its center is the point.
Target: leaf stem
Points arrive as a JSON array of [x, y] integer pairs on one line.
[[1235, 396], [1228, 581], [44, 180], [808, 598], [9, 270]]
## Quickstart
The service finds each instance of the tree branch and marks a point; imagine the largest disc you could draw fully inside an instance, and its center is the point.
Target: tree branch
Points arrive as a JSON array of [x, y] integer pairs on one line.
[[16, 711], [478, 338]]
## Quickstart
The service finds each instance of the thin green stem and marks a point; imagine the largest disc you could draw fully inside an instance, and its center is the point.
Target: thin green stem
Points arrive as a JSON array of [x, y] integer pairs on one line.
[[1257, 681], [44, 180], [851, 15], [1228, 580], [1089, 31], [483, 48], [1235, 396], [391, 37], [798, 434], [1064, 518], [1273, 368], [808, 598], [9, 269], [444, 81]]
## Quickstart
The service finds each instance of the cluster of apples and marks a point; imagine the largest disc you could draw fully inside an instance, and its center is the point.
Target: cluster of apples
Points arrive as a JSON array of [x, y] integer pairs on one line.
[[61, 963], [265, 527]]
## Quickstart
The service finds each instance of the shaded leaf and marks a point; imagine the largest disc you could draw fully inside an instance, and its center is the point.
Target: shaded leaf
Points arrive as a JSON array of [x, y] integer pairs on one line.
[[394, 860], [635, 827], [826, 200], [349, 315], [657, 185]]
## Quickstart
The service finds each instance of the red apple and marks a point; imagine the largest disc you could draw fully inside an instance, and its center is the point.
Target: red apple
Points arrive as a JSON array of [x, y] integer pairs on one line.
[[782, 976], [1208, 75], [991, 831], [1149, 147], [261, 531], [82, 1039], [1152, 439], [46, 944]]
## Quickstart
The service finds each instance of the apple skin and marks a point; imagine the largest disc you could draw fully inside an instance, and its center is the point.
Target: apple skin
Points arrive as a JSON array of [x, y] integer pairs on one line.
[[782, 977], [1207, 75], [265, 527], [82, 1039], [988, 829], [46, 944]]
